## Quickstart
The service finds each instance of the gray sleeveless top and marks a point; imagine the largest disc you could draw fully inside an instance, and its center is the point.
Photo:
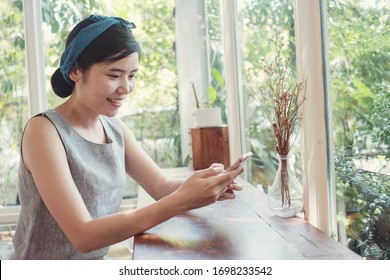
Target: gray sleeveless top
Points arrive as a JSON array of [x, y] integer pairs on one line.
[[98, 171]]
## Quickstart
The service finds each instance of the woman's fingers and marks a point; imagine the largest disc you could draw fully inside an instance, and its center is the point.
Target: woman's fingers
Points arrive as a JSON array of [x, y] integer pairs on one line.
[[229, 176], [235, 186], [217, 165], [213, 170], [226, 195], [225, 179]]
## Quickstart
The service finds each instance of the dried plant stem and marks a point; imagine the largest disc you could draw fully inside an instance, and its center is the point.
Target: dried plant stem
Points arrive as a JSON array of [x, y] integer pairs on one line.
[[281, 101], [286, 200], [196, 96]]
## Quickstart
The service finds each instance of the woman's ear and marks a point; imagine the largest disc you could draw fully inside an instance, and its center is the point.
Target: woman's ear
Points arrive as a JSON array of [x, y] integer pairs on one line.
[[75, 74]]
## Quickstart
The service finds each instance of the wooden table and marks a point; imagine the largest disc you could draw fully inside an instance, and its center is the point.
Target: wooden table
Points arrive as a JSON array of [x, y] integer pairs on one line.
[[239, 229]]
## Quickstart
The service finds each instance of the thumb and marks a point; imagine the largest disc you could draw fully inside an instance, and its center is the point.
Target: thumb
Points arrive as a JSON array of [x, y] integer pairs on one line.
[[211, 171]]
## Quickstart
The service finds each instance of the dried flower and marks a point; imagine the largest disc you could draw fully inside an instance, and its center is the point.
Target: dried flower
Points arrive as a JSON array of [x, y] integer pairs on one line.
[[281, 99]]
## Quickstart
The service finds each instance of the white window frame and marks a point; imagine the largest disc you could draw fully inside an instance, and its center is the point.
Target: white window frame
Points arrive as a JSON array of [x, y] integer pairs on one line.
[[34, 56], [234, 84], [311, 49]]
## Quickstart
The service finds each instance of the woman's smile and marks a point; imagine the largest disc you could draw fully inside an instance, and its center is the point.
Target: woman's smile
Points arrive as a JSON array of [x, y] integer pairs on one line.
[[116, 101]]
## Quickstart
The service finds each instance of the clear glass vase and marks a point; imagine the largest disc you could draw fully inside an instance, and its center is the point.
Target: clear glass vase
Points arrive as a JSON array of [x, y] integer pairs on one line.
[[285, 196]]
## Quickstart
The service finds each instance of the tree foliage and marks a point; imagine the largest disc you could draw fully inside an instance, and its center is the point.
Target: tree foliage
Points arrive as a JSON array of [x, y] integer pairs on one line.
[[360, 81], [360, 70]]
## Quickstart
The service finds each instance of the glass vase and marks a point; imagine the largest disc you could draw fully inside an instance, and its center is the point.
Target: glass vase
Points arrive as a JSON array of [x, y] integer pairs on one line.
[[285, 196]]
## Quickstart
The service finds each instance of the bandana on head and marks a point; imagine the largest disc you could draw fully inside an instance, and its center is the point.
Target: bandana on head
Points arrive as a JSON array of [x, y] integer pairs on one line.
[[86, 37]]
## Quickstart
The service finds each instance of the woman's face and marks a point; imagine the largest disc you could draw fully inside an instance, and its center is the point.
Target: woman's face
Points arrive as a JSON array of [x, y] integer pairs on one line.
[[104, 86]]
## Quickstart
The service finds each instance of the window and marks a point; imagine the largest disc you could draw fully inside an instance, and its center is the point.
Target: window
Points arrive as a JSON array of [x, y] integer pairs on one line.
[[359, 88], [14, 109]]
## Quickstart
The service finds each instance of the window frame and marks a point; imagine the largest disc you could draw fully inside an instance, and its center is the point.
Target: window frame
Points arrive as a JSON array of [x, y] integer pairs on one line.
[[34, 56], [234, 82], [318, 165]]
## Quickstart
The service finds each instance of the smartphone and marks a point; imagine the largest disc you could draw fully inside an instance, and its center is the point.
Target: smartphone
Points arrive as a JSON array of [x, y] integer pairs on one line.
[[239, 161]]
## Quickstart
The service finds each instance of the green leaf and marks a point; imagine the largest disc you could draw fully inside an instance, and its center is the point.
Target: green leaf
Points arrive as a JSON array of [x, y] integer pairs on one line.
[[218, 77], [212, 94]]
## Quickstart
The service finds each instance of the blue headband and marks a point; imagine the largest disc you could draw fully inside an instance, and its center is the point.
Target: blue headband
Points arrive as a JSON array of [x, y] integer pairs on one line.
[[86, 37]]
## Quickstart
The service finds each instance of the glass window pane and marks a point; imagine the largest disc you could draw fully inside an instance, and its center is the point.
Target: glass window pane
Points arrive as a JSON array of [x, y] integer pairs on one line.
[[14, 109], [217, 88], [359, 46]]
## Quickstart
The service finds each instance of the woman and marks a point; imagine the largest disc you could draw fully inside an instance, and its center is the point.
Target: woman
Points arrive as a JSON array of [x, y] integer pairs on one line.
[[74, 158]]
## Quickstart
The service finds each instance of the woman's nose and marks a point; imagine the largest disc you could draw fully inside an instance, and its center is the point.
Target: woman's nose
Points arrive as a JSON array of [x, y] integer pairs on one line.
[[126, 87]]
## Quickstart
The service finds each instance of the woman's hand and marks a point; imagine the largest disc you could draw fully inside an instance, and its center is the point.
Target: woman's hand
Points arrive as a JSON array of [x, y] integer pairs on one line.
[[205, 187], [229, 191]]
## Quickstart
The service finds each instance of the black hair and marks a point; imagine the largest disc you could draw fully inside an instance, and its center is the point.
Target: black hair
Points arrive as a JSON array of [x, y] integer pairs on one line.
[[113, 44]]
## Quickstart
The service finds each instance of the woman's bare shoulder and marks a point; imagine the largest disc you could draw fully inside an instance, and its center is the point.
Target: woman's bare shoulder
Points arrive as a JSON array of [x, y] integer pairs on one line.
[[39, 127], [40, 140]]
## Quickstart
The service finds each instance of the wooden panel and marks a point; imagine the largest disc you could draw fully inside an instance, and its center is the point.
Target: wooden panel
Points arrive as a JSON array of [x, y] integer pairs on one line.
[[209, 145]]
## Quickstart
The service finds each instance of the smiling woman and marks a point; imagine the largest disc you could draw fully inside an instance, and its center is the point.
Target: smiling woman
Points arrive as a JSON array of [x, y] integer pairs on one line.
[[75, 157], [111, 81]]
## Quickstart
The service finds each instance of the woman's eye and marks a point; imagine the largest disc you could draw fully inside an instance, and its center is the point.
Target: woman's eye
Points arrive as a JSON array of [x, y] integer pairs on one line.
[[114, 76]]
